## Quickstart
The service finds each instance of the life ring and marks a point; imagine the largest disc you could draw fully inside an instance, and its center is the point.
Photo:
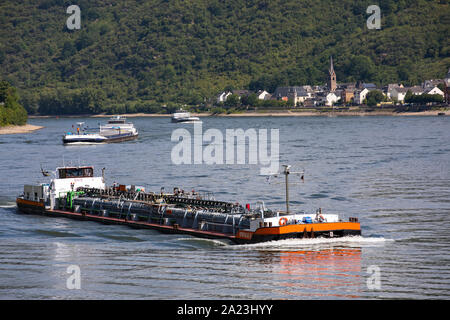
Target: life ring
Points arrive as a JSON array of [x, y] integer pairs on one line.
[[282, 221]]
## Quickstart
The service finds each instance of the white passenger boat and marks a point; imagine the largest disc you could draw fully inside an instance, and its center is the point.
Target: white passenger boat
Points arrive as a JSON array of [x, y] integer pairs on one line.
[[184, 116]]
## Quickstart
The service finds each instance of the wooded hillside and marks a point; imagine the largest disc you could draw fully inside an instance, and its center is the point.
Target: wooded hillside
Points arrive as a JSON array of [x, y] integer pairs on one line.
[[136, 55]]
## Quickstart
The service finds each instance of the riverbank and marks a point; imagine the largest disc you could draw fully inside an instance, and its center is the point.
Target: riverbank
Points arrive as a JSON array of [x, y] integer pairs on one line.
[[269, 113], [19, 129], [331, 114]]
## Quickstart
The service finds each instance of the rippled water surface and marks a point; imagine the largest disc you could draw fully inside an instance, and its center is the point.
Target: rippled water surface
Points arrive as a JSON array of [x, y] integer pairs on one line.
[[393, 173]]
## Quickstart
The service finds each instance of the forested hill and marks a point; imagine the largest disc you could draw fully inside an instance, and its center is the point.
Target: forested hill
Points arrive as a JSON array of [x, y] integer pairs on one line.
[[11, 112], [133, 55]]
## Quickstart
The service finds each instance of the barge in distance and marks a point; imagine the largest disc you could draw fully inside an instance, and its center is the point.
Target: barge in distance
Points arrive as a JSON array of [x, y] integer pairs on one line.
[[76, 193], [116, 130]]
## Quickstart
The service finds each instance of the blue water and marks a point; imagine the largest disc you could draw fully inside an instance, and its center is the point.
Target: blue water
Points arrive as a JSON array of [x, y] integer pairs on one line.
[[393, 173]]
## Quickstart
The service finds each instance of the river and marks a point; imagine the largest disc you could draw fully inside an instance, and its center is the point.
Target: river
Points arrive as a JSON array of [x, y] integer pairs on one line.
[[393, 173]]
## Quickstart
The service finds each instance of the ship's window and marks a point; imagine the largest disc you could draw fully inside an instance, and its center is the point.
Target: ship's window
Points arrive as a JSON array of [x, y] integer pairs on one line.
[[76, 173], [35, 196], [88, 172]]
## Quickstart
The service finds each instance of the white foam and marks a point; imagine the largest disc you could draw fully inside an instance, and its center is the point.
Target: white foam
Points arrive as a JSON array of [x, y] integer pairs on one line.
[[214, 241], [12, 205], [289, 244]]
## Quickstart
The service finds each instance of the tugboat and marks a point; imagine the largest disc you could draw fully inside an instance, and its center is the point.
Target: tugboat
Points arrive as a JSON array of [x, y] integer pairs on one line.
[[116, 130], [76, 193], [184, 116]]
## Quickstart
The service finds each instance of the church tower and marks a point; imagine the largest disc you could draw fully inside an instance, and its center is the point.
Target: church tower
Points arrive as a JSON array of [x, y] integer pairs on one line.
[[332, 81]]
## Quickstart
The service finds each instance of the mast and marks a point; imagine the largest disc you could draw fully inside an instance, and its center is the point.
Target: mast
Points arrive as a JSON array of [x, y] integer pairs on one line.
[[286, 174]]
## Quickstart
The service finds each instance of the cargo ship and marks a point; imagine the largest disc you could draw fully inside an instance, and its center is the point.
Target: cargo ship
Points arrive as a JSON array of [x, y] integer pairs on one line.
[[74, 192], [116, 130]]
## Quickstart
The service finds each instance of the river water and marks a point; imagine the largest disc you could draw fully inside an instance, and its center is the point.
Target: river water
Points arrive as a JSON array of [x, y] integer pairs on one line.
[[393, 173]]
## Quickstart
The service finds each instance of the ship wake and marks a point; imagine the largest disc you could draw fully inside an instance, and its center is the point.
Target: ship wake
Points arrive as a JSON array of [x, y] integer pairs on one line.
[[290, 244]]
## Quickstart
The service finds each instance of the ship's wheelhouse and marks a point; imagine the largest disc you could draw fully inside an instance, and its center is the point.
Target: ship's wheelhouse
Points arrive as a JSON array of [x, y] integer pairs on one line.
[[75, 172]]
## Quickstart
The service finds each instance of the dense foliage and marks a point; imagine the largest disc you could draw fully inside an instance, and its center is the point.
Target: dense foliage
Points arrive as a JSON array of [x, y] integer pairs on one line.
[[11, 112], [136, 55], [423, 98], [374, 97]]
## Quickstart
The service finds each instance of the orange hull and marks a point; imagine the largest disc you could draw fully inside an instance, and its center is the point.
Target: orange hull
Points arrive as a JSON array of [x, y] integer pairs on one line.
[[311, 230]]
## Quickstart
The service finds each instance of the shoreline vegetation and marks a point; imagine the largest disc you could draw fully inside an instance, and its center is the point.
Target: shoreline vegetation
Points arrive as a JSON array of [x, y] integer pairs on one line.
[[12, 129], [11, 111], [265, 113]]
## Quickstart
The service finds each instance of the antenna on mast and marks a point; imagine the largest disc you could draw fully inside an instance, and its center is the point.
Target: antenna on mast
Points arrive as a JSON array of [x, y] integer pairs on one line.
[[287, 171]]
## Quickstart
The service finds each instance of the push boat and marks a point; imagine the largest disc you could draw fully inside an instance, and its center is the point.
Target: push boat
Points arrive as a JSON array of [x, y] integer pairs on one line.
[[76, 193], [116, 130], [184, 116]]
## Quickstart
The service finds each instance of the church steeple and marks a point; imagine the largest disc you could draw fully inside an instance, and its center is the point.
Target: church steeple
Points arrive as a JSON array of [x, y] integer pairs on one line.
[[331, 66], [332, 81]]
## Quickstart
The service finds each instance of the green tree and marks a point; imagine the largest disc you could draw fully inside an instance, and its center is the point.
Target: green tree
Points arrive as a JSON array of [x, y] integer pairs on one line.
[[233, 101], [361, 68], [374, 97], [409, 97], [11, 111], [250, 100]]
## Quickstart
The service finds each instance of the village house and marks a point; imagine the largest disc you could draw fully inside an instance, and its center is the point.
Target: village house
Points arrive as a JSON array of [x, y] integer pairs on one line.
[[310, 103], [363, 85], [432, 83], [327, 98], [345, 91], [434, 90], [222, 97], [360, 96], [399, 94], [416, 90], [241, 93], [263, 95], [347, 95], [390, 87], [297, 94]]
